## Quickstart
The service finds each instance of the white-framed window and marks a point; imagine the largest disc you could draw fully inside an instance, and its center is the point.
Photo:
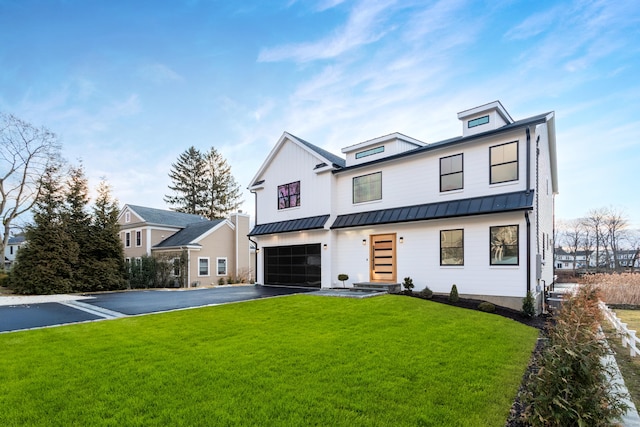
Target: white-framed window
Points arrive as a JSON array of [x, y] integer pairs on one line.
[[127, 216], [367, 188], [127, 239], [138, 238], [289, 195], [203, 266], [221, 266]]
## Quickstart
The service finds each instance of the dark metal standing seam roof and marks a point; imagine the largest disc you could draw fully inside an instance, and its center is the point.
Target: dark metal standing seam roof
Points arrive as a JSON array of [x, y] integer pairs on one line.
[[300, 224], [521, 200], [187, 235]]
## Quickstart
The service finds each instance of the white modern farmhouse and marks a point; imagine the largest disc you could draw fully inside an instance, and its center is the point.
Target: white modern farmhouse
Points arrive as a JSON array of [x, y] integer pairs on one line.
[[474, 210]]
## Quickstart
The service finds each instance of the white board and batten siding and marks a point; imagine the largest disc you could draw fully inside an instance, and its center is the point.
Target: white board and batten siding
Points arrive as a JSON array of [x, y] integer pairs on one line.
[[290, 164]]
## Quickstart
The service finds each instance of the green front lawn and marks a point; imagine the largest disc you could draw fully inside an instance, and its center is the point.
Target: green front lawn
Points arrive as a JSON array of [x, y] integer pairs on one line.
[[299, 360]]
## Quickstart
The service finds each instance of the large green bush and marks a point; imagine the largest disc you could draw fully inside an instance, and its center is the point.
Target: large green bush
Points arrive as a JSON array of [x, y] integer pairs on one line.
[[569, 385]]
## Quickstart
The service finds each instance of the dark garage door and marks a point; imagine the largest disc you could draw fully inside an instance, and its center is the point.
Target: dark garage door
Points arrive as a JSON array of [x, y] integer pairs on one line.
[[293, 265]]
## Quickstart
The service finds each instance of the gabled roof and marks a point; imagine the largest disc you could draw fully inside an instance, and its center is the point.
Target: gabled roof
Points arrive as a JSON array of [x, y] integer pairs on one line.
[[323, 155], [190, 234], [16, 240], [516, 201], [164, 217], [300, 224]]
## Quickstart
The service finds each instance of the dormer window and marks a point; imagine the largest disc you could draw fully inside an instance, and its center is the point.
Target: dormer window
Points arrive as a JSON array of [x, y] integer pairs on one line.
[[477, 122], [370, 152]]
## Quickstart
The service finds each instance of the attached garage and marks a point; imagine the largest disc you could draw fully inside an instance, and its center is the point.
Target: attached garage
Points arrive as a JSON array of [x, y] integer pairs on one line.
[[298, 265]]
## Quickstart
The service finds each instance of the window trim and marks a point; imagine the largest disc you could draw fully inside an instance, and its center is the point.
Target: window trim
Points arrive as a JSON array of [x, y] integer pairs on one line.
[[288, 196], [461, 247], [452, 173], [517, 245], [353, 188], [208, 273], [516, 161], [127, 216], [127, 239], [226, 266], [138, 238]]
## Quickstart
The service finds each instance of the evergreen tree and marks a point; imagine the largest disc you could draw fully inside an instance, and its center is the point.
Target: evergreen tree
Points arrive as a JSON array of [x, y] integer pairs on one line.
[[45, 264], [77, 222], [188, 182], [223, 192], [104, 266]]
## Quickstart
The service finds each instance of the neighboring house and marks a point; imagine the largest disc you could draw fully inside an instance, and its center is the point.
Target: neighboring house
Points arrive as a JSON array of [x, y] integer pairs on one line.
[[474, 210], [565, 260], [215, 250], [11, 250]]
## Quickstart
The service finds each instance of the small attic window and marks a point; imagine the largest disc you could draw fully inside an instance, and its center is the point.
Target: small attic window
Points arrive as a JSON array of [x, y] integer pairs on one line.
[[370, 152], [477, 122], [127, 217]]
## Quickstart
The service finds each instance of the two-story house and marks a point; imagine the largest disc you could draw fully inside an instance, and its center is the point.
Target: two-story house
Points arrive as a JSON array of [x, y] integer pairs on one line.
[[475, 210], [11, 250], [214, 250]]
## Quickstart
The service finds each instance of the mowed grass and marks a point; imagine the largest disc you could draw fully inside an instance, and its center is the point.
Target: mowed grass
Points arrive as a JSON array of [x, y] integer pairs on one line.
[[290, 361], [629, 366]]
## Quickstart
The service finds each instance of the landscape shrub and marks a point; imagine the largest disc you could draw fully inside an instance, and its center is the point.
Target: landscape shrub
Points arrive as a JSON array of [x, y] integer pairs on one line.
[[453, 295], [569, 385], [408, 284], [487, 307], [221, 281], [528, 305], [426, 293], [4, 279]]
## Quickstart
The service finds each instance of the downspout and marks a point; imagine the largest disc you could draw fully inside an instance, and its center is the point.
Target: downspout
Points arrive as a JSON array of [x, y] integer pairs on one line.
[[255, 215], [237, 252], [528, 160], [526, 217]]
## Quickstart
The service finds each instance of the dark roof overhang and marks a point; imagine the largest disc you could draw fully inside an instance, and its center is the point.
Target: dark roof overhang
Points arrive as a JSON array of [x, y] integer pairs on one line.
[[517, 201], [300, 224]]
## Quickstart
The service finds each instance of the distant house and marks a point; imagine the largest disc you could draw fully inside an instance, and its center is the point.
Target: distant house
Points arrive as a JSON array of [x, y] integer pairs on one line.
[[11, 250], [474, 210], [215, 250], [568, 261]]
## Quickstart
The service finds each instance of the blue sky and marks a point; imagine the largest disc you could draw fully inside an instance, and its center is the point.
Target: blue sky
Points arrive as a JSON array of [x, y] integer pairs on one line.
[[129, 85]]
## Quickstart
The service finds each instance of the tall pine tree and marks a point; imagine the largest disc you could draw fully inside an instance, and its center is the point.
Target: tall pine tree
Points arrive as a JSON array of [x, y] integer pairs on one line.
[[188, 182], [45, 264], [223, 192], [77, 222], [105, 255], [203, 185]]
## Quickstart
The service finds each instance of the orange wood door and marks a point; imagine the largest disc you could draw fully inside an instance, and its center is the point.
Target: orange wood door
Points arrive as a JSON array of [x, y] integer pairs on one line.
[[383, 258]]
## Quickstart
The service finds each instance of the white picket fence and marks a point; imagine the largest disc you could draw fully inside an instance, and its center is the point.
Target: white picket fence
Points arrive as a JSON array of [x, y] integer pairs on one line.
[[628, 336]]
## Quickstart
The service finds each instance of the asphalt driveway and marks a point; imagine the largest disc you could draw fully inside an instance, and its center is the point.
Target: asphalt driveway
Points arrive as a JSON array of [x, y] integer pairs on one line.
[[26, 314]]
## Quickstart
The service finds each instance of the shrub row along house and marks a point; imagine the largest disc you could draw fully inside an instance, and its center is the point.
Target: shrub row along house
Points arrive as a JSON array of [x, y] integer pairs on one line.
[[211, 250], [475, 211]]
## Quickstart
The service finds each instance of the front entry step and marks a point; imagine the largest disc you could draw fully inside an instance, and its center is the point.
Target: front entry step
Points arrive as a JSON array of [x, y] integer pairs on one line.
[[392, 288]]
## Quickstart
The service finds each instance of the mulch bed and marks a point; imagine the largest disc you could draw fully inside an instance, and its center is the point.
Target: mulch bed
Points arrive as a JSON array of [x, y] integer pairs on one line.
[[538, 322]]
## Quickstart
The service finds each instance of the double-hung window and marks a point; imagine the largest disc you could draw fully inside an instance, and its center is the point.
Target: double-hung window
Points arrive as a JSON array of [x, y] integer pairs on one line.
[[138, 238], [367, 187], [127, 239], [452, 247], [504, 163], [289, 195], [221, 266], [451, 173], [504, 247], [203, 266]]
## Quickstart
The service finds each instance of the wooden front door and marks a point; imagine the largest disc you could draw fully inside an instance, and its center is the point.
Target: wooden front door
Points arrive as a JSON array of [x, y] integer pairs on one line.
[[383, 258]]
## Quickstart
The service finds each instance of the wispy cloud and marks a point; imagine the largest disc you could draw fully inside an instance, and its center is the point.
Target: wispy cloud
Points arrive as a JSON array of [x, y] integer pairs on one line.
[[159, 73], [364, 26]]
